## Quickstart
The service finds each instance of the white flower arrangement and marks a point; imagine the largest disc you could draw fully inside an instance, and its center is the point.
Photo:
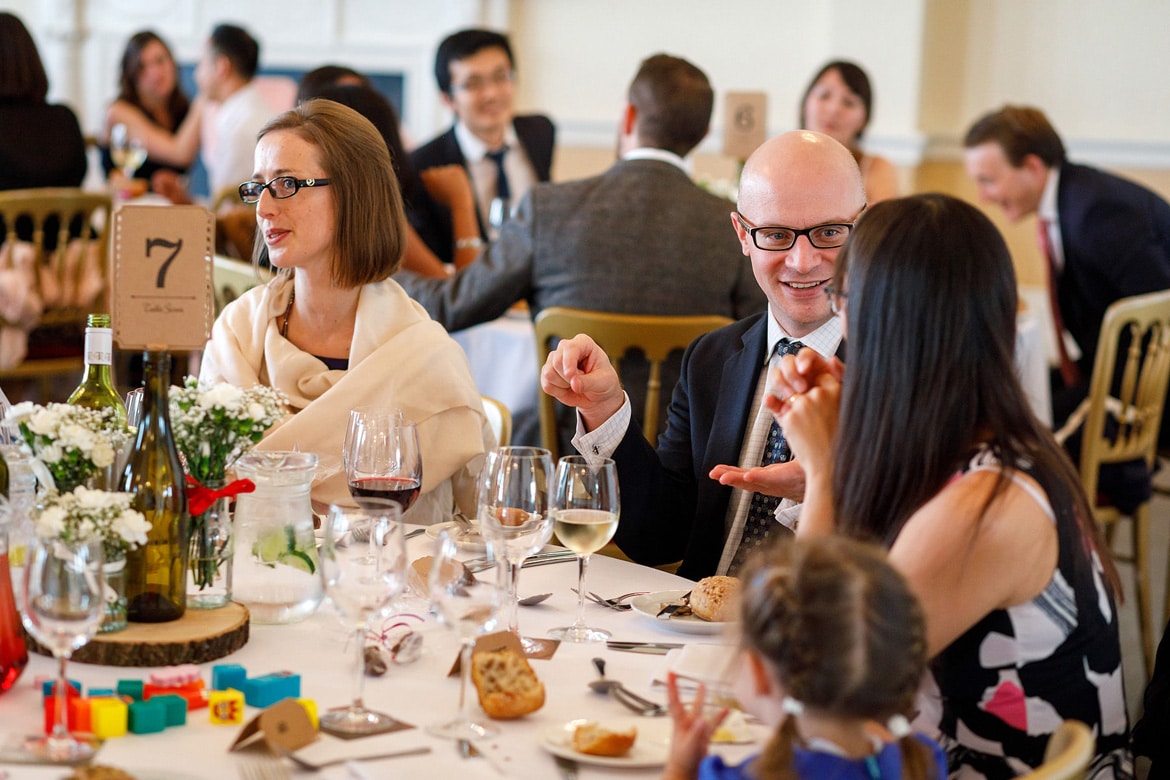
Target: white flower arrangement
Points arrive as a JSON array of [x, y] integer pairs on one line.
[[215, 425], [72, 442], [84, 514]]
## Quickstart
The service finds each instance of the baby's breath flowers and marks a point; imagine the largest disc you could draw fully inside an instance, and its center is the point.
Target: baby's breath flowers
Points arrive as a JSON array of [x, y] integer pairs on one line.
[[84, 514], [72, 442], [215, 425]]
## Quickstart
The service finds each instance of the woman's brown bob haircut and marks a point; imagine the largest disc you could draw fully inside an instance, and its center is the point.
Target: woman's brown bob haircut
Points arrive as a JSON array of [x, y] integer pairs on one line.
[[370, 230]]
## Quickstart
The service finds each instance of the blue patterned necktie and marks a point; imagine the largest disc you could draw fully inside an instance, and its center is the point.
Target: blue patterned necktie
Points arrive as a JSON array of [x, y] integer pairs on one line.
[[761, 517]]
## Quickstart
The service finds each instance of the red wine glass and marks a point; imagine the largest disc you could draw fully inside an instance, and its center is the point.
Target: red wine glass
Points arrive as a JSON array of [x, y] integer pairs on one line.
[[381, 455]]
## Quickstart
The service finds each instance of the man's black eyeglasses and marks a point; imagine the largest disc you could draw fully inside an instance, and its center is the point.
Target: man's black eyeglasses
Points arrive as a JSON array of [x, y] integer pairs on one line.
[[281, 187]]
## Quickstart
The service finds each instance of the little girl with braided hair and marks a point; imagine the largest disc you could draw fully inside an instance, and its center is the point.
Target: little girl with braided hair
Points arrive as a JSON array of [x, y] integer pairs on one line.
[[834, 648]]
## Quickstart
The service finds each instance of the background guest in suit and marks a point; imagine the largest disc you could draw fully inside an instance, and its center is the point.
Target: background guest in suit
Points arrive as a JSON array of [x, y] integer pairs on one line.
[[148, 82], [839, 103], [40, 144], [1109, 238], [504, 154], [675, 506], [641, 238]]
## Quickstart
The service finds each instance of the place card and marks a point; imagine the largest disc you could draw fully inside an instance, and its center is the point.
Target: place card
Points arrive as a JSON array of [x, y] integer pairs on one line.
[[745, 123], [506, 640], [283, 726], [162, 284]]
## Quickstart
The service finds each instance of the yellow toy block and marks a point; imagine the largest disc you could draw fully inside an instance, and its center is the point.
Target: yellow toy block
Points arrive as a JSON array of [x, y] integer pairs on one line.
[[310, 708], [226, 707], [108, 717]]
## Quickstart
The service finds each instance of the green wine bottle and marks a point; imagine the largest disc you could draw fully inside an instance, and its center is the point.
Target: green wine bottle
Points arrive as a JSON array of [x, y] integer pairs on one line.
[[156, 573], [3, 476], [96, 390]]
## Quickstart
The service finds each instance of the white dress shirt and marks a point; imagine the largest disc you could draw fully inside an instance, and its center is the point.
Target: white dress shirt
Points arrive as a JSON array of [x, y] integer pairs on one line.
[[483, 170]]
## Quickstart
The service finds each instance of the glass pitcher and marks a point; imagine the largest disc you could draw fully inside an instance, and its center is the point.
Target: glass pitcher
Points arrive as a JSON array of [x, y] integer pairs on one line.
[[275, 563]]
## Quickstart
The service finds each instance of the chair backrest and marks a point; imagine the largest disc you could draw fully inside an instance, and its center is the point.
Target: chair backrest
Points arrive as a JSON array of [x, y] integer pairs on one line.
[[1069, 751], [655, 336], [499, 418], [73, 277], [233, 278], [1139, 325]]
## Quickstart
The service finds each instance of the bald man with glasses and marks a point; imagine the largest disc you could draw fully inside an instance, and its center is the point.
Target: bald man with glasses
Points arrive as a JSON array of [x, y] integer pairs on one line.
[[691, 497]]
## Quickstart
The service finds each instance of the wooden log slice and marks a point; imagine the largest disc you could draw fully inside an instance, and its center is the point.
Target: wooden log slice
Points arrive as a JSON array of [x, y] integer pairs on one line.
[[199, 636]]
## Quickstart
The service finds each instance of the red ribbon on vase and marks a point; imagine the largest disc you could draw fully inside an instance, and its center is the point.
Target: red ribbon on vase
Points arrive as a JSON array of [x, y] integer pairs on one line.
[[199, 498]]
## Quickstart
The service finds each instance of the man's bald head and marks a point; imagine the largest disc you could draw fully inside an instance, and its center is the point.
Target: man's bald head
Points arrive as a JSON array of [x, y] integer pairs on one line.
[[797, 180]]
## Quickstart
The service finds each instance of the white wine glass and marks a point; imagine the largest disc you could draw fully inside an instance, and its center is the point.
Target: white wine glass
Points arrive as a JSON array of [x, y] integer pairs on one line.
[[381, 455], [363, 565], [471, 607], [514, 514], [585, 511], [128, 153], [62, 607]]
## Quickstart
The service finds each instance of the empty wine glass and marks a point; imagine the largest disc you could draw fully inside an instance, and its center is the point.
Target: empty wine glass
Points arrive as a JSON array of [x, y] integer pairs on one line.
[[127, 153], [134, 407], [62, 607], [471, 607], [586, 506], [513, 513], [363, 565], [381, 455]]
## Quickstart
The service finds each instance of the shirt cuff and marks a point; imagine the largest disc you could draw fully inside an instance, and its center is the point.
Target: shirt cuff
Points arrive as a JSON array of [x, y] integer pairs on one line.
[[788, 513], [605, 438]]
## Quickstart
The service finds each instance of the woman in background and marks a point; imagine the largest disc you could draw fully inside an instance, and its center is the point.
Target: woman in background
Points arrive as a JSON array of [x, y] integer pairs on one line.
[[926, 442], [839, 103], [332, 330], [148, 83], [41, 144]]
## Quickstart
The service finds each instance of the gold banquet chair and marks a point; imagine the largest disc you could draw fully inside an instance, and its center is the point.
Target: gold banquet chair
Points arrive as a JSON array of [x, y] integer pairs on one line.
[[70, 282], [499, 418], [233, 278], [1069, 751], [655, 336], [1141, 326]]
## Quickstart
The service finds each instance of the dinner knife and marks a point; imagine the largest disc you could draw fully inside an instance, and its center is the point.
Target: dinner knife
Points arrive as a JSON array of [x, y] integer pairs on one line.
[[653, 648]]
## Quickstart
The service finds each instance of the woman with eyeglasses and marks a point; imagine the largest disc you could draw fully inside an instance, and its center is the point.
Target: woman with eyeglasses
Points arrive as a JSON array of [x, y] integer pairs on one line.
[[926, 442], [332, 330]]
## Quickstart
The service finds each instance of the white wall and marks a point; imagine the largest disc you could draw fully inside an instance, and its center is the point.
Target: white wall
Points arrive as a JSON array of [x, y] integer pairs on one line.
[[1097, 68]]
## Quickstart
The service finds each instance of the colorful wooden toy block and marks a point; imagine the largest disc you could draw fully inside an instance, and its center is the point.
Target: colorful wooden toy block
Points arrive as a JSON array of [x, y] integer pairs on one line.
[[131, 688], [226, 707], [49, 687], [108, 717], [147, 717], [79, 714], [225, 676], [175, 708], [310, 708], [268, 689]]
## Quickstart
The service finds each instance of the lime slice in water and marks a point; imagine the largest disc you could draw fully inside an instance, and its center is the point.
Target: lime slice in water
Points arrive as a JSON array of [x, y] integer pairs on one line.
[[297, 560]]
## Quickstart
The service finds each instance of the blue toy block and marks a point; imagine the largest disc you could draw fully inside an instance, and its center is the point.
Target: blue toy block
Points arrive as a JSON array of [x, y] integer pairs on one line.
[[263, 691], [98, 693], [131, 689], [48, 686], [147, 717], [225, 676], [176, 708]]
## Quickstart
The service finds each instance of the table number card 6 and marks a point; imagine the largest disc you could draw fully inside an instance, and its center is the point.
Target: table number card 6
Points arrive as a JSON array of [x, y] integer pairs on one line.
[[162, 276]]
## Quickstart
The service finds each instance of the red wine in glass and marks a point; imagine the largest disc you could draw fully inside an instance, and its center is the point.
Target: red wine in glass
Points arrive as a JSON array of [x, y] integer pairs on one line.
[[404, 490]]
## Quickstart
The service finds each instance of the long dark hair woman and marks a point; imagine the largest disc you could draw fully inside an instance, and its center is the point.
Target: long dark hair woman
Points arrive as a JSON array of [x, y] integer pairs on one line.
[[926, 443]]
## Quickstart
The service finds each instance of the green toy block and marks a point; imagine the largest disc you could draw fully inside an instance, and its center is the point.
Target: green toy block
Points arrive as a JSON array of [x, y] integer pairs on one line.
[[130, 688], [176, 708], [147, 717]]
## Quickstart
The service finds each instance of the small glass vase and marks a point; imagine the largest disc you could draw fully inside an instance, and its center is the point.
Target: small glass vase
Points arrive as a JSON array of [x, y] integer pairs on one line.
[[210, 547], [114, 593]]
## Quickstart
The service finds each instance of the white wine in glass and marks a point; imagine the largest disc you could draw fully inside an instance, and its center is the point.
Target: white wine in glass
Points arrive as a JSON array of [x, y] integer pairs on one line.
[[586, 506], [127, 153]]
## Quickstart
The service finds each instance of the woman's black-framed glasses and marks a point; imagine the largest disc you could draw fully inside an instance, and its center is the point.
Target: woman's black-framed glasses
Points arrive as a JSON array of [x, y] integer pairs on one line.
[[836, 298], [281, 187]]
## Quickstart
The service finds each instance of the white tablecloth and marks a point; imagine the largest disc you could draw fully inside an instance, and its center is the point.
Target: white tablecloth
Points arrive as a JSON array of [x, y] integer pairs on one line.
[[1032, 364], [420, 693], [502, 354]]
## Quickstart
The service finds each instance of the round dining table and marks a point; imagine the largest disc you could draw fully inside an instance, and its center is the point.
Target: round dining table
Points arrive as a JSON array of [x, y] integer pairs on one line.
[[419, 693]]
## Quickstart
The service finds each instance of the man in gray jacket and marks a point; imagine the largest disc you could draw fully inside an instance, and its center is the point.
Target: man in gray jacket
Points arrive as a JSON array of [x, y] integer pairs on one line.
[[641, 238]]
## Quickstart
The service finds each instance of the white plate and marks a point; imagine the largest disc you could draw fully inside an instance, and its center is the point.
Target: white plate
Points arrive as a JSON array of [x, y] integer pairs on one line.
[[650, 604], [472, 546], [650, 748]]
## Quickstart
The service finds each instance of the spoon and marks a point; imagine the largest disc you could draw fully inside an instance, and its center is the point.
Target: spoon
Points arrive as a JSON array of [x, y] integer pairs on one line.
[[602, 685], [532, 601]]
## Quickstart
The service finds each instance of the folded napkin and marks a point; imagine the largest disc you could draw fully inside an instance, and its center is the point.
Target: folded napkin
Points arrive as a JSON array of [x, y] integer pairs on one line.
[[696, 663]]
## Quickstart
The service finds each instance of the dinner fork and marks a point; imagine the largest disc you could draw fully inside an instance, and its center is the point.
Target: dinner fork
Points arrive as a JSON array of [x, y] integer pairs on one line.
[[567, 767], [259, 767]]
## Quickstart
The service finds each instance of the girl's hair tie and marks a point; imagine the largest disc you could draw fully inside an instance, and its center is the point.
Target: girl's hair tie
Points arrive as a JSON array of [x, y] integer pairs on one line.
[[791, 706], [899, 726]]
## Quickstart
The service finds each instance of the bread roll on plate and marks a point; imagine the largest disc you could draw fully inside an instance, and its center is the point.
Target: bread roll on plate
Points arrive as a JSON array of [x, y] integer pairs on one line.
[[506, 684], [596, 740], [716, 599]]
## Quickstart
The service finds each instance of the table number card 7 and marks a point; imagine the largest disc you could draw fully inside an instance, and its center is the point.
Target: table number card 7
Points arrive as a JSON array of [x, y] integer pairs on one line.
[[162, 276]]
